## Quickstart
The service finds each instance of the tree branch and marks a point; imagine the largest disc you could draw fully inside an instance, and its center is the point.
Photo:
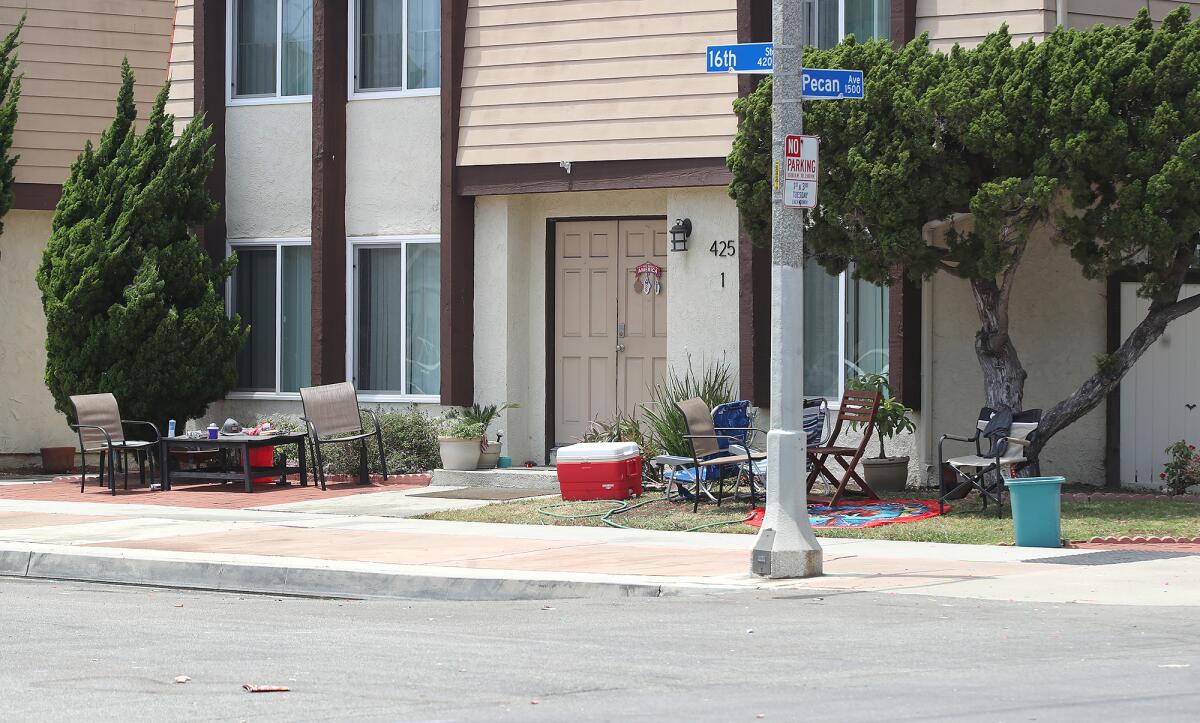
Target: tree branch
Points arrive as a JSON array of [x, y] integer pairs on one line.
[[1089, 394]]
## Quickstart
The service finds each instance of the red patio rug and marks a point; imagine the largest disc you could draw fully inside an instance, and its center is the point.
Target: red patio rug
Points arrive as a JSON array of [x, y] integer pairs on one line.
[[867, 513]]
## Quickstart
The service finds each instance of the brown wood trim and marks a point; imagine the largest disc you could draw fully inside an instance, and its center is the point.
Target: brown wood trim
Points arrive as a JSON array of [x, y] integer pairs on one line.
[[1112, 406], [754, 263], [551, 347], [520, 178], [209, 85], [904, 295], [458, 224], [36, 196], [904, 340], [329, 92], [904, 21]]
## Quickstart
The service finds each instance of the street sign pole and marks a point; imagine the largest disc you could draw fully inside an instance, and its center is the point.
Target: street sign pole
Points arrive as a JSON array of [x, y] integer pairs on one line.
[[786, 546]]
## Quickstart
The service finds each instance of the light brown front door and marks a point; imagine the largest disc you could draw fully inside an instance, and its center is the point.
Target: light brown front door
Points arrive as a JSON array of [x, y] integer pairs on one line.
[[610, 337], [641, 316]]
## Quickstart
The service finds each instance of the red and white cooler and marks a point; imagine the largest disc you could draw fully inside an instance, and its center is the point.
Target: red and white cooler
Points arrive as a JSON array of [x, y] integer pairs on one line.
[[600, 471]]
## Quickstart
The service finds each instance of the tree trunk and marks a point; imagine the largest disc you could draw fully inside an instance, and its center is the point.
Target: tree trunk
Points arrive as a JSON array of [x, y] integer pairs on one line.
[[1003, 375]]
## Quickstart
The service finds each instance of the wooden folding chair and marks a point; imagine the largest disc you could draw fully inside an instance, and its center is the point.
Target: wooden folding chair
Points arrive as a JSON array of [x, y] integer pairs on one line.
[[858, 408]]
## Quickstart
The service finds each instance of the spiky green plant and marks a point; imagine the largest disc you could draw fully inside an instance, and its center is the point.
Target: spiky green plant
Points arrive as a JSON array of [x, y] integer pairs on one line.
[[665, 423]]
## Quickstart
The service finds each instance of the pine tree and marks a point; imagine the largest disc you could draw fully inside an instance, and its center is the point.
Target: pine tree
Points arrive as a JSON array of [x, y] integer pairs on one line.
[[133, 304], [10, 94]]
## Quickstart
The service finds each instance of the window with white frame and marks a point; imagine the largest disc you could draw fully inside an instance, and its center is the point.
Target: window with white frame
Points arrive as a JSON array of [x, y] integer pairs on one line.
[[845, 319], [396, 322], [271, 290], [395, 45], [271, 48], [845, 330], [831, 20]]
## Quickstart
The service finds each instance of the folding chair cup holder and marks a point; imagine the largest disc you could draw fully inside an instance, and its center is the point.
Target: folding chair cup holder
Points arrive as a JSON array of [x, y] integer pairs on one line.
[[1008, 434]]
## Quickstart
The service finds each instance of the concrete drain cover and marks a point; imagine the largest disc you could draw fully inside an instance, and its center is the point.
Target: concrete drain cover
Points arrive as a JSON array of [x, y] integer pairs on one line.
[[1112, 557]]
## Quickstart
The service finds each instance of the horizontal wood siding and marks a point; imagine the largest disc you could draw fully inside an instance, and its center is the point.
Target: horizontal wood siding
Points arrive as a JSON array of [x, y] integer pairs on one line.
[[1086, 13], [180, 70], [71, 54], [966, 22], [594, 80]]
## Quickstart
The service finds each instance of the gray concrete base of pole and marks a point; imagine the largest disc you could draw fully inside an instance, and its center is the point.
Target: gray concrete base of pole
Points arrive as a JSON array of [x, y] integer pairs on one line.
[[786, 546], [773, 563]]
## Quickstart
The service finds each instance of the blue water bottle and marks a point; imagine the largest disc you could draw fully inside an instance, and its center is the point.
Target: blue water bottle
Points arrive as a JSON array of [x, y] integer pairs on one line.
[[171, 428]]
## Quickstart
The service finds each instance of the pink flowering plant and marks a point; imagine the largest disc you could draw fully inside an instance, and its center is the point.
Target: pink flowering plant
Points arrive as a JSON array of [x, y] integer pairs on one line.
[[1183, 470]]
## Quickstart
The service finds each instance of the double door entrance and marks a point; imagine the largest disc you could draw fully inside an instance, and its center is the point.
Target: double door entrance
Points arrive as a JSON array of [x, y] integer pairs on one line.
[[610, 321]]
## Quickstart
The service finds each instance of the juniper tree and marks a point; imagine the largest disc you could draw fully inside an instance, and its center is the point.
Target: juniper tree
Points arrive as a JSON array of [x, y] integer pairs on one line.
[[133, 304], [1090, 139]]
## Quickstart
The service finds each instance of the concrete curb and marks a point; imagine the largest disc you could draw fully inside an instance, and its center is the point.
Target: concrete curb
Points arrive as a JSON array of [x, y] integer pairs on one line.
[[293, 577]]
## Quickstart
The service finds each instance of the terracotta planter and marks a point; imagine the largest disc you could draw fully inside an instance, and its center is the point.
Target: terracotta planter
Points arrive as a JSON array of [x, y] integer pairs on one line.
[[490, 456], [458, 453], [56, 460], [886, 474]]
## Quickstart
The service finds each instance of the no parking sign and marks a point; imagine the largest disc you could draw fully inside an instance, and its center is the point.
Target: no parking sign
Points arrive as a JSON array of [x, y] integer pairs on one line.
[[800, 166]]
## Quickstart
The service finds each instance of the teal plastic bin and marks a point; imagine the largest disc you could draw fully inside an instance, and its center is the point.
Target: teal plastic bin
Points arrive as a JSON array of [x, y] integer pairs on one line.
[[1036, 510]]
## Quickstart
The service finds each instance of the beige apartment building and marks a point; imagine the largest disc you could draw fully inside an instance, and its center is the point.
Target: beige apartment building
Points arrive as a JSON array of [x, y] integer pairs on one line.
[[447, 202], [572, 126]]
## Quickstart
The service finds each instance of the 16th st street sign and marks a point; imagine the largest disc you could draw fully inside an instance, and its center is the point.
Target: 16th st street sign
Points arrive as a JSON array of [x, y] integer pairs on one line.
[[819, 83]]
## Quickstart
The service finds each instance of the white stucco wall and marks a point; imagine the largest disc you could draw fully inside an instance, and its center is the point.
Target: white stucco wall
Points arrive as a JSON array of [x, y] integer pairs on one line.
[[1058, 327], [702, 316], [393, 165], [28, 420], [268, 171], [510, 293]]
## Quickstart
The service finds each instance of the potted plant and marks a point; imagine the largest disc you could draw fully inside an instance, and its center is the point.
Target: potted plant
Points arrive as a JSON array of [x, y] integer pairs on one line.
[[458, 442], [884, 473], [56, 460], [489, 451]]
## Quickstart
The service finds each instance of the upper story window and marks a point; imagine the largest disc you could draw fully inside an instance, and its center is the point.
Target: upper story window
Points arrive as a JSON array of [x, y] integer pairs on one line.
[[396, 45], [272, 48], [831, 20]]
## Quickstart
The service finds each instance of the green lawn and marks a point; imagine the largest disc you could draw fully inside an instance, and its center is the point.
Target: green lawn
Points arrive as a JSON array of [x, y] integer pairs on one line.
[[967, 523]]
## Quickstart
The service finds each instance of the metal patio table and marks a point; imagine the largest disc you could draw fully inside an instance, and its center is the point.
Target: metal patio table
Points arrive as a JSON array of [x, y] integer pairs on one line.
[[244, 443]]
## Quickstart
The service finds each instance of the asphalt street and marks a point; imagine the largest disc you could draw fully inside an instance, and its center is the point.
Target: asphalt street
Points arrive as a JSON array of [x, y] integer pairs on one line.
[[71, 651]]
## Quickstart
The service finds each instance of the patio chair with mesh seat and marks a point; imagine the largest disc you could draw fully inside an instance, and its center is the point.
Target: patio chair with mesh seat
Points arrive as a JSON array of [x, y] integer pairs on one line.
[[100, 428], [707, 452], [858, 409], [1008, 434], [332, 415]]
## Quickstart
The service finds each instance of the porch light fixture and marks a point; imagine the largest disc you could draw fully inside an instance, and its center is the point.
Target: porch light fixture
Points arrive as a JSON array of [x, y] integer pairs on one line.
[[680, 233]]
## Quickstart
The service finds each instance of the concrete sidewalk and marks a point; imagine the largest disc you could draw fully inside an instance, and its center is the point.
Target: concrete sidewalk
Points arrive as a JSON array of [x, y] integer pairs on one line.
[[363, 546]]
